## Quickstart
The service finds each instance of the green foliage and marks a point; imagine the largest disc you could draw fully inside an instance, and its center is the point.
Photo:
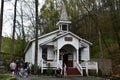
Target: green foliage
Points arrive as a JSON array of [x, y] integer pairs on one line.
[[87, 18], [49, 16], [19, 48], [95, 51], [99, 73], [5, 77], [6, 44], [32, 69], [49, 70]]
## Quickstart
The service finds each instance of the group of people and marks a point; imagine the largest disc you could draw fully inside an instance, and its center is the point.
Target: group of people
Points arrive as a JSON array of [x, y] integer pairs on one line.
[[20, 68]]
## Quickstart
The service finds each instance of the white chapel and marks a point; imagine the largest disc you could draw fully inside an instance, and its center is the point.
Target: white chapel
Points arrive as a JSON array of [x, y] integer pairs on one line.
[[62, 46]]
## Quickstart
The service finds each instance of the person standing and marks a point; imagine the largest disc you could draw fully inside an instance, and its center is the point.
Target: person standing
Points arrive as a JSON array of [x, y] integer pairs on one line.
[[65, 69], [13, 67]]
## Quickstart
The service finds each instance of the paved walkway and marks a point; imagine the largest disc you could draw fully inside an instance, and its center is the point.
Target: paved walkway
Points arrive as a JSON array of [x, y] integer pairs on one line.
[[55, 78]]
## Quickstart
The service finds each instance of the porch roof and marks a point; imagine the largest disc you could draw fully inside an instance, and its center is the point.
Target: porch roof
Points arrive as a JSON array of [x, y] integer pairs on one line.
[[45, 35], [83, 41]]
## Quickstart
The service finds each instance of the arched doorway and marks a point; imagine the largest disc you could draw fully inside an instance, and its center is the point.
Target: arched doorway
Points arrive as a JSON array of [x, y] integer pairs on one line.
[[67, 54]]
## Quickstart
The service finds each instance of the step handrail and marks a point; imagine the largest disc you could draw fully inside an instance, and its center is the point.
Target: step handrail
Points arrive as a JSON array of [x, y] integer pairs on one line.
[[59, 65], [79, 67]]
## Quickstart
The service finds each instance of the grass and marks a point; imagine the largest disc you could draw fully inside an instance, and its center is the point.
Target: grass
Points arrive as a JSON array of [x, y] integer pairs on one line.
[[5, 77]]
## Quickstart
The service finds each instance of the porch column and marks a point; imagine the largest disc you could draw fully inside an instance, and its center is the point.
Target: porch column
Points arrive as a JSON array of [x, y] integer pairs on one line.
[[57, 58], [55, 55], [77, 55]]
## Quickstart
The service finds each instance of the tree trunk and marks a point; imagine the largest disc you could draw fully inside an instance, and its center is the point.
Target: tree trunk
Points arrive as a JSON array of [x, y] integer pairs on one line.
[[114, 21], [13, 34], [1, 22], [23, 31], [36, 37]]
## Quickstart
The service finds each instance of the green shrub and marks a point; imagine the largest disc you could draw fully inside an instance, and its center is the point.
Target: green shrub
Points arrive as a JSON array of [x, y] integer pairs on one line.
[[49, 70], [32, 69]]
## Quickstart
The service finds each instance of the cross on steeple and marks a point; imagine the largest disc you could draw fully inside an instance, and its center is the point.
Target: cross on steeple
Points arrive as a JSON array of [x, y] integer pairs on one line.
[[63, 23]]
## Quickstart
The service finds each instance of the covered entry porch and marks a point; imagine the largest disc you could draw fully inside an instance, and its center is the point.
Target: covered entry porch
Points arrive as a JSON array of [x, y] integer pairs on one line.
[[67, 54], [71, 56]]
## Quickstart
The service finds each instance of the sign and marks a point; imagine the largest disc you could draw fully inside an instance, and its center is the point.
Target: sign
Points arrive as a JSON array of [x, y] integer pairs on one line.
[[68, 38]]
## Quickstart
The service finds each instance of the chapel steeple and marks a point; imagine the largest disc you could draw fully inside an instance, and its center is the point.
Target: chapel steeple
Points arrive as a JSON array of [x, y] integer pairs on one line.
[[63, 23]]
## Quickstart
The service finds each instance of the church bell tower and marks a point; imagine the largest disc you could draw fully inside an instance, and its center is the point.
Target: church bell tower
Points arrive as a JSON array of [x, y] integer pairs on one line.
[[63, 23]]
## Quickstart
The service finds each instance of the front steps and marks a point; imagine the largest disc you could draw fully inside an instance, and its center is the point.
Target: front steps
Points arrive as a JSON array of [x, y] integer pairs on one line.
[[73, 71]]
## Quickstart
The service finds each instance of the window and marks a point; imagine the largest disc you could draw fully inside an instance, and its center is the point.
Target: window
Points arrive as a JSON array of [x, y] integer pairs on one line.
[[79, 54], [64, 27], [44, 53]]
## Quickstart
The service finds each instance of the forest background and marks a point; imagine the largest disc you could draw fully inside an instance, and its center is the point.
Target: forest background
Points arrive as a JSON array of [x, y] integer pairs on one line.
[[97, 21]]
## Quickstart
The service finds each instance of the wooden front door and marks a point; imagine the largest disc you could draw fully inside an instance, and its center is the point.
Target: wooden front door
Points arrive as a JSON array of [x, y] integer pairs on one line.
[[65, 59]]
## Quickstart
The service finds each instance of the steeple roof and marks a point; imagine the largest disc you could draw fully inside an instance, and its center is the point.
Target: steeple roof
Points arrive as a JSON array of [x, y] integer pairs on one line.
[[64, 16]]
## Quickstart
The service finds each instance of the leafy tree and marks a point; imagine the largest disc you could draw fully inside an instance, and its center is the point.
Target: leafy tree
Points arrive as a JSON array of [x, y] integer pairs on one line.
[[89, 18], [49, 15]]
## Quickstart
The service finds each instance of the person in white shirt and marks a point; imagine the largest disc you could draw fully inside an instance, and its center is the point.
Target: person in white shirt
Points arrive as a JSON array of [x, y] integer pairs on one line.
[[13, 67]]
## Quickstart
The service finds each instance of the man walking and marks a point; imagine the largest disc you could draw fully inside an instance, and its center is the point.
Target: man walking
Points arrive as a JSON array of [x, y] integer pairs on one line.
[[13, 67]]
